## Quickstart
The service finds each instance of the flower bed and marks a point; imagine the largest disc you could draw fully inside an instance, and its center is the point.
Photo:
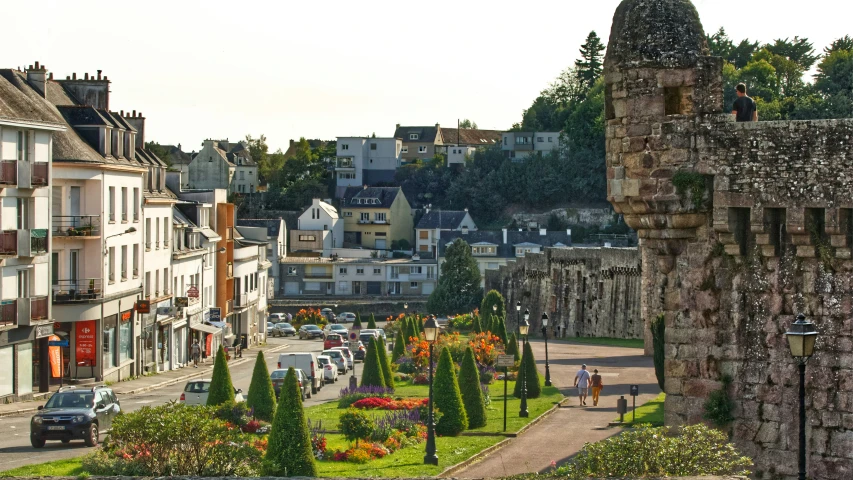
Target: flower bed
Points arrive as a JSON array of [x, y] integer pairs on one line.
[[386, 403], [348, 396]]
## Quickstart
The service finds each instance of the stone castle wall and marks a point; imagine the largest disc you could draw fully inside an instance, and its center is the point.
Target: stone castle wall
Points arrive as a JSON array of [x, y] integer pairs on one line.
[[587, 292]]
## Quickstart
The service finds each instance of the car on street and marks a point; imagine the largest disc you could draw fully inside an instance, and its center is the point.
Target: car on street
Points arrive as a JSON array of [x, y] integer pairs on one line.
[[283, 330], [196, 392], [332, 340], [346, 317], [336, 328], [359, 353], [348, 356], [338, 359], [329, 314], [277, 317], [304, 382], [75, 414], [382, 334], [366, 335], [305, 361], [330, 372], [270, 328], [372, 331], [310, 331]]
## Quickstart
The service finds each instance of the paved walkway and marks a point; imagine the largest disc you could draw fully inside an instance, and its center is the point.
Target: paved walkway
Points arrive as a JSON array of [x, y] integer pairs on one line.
[[143, 384], [562, 434]]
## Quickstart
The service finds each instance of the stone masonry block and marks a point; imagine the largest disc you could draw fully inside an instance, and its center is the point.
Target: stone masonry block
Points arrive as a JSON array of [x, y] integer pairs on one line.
[[631, 188]]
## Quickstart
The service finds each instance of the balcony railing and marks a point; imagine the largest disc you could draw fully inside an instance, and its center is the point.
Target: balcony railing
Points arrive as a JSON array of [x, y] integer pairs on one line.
[[9, 242], [318, 275], [241, 300], [32, 310], [8, 313], [38, 241], [77, 290], [40, 174], [344, 163], [9, 172], [76, 226], [229, 306]]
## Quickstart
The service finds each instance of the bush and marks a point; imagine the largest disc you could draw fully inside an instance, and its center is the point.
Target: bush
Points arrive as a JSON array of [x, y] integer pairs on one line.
[[494, 298], [658, 328], [476, 327], [385, 365], [647, 452], [235, 413], [472, 394], [399, 348], [512, 347], [371, 322], [531, 376], [221, 388], [356, 425], [357, 322], [372, 376], [447, 397], [719, 406], [349, 396], [261, 396], [290, 453]]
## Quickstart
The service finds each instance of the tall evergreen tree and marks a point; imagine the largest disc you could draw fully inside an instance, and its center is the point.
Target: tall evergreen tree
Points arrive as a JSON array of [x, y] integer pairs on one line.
[[458, 287], [532, 381], [420, 325], [289, 450], [399, 347], [500, 325], [448, 398], [221, 388], [371, 322], [512, 347], [387, 373], [472, 394], [411, 330], [261, 396], [372, 376], [486, 322], [475, 325], [357, 322], [591, 63]]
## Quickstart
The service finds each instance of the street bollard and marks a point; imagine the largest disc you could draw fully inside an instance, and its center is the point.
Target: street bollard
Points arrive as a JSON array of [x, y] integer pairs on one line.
[[622, 408]]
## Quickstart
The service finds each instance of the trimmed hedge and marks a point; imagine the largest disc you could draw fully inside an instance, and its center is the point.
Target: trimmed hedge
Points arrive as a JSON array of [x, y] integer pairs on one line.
[[221, 388], [528, 368], [512, 347], [357, 322], [372, 376], [472, 394], [261, 396], [399, 347], [385, 365], [289, 451], [475, 325], [448, 398], [371, 322]]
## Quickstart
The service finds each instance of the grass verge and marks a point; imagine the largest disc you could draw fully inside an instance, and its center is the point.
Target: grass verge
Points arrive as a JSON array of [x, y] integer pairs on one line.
[[610, 342], [71, 467], [651, 412]]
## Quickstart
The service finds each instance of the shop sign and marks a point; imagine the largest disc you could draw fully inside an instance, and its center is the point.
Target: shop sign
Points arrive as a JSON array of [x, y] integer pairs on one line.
[[55, 356], [85, 336], [215, 315], [44, 330], [125, 316], [143, 306], [182, 302], [192, 292]]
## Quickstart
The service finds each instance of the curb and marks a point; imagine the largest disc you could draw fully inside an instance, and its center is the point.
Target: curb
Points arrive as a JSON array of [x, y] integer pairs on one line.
[[162, 384], [478, 456]]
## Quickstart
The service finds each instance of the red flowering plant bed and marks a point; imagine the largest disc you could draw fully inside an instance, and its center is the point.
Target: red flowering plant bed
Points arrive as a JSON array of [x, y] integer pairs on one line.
[[396, 430], [385, 403]]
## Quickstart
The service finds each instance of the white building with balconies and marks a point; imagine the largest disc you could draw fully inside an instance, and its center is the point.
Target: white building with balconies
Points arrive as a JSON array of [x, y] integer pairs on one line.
[[366, 161]]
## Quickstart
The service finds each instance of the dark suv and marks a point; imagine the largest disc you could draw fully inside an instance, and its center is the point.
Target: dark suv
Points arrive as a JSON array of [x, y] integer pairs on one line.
[[75, 413]]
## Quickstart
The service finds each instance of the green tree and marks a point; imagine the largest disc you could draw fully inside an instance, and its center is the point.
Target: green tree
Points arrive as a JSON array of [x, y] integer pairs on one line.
[[492, 299], [512, 347], [420, 325], [475, 325], [531, 376], [356, 325], [472, 394], [221, 388], [458, 287], [289, 451], [385, 365], [160, 151], [658, 328], [371, 322], [372, 376], [591, 63], [448, 398], [399, 347], [356, 425], [261, 396], [259, 151], [468, 124]]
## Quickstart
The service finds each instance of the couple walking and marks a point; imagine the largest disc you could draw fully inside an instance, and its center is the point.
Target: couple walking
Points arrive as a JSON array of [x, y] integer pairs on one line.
[[583, 380]]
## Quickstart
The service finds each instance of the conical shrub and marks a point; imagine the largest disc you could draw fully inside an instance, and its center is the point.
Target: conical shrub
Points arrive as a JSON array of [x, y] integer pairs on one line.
[[411, 330], [221, 388], [371, 322], [261, 397], [385, 365], [372, 376], [531, 376], [475, 325], [357, 322], [399, 347], [512, 347], [500, 327], [448, 398], [289, 451], [420, 325], [472, 394]]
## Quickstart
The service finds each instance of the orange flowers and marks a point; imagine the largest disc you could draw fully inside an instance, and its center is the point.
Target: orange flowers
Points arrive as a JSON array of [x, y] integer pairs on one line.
[[486, 348]]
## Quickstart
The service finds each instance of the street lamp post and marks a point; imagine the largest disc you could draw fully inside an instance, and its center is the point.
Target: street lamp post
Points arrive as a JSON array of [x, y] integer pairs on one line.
[[545, 334], [353, 381], [431, 330], [517, 322], [523, 329], [801, 341]]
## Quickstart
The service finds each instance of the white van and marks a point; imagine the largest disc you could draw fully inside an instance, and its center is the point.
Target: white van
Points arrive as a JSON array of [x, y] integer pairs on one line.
[[196, 392], [307, 361]]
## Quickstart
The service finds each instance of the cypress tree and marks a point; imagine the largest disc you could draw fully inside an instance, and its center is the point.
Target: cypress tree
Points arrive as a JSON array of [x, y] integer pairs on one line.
[[486, 322], [372, 376], [472, 395], [448, 398], [512, 347], [357, 322], [385, 365], [371, 322], [399, 347], [411, 330], [221, 388], [475, 325], [261, 397], [289, 451], [420, 325], [528, 366], [501, 329]]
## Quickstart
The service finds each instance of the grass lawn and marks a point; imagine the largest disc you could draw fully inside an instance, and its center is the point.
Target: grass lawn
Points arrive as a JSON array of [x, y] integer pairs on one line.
[[57, 468], [651, 412], [611, 342]]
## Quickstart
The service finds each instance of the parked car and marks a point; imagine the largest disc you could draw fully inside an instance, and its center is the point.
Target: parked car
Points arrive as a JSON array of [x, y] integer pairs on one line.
[[333, 340], [348, 356], [284, 330], [336, 328], [196, 392], [346, 317], [310, 331], [381, 333], [305, 361], [304, 382], [330, 372], [73, 413], [338, 359], [270, 329], [359, 354], [365, 337], [372, 331], [329, 314], [277, 317]]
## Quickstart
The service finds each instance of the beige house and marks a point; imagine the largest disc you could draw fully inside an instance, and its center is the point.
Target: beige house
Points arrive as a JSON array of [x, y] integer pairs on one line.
[[376, 217], [419, 143]]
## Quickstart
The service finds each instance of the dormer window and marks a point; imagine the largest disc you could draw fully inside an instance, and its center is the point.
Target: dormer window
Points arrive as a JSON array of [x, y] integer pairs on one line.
[[414, 136], [239, 161]]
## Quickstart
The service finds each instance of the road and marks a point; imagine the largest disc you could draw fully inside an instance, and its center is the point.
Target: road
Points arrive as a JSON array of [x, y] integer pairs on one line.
[[16, 451]]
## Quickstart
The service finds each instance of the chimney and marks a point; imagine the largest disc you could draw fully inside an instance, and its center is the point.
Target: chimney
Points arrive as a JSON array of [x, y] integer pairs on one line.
[[179, 147], [99, 74], [93, 91], [543, 232], [37, 78], [398, 126], [437, 126], [427, 209], [138, 123], [506, 233]]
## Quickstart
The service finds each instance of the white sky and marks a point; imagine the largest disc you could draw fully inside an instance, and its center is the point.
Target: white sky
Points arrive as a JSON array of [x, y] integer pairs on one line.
[[322, 69]]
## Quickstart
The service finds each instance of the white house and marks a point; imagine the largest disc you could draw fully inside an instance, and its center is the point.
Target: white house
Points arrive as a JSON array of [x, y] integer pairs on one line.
[[274, 233], [520, 145], [223, 165], [429, 227], [366, 161], [323, 220]]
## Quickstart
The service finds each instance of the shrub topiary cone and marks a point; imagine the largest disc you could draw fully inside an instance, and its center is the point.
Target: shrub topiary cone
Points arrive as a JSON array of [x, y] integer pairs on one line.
[[261, 397], [385, 365], [289, 452], [512, 347], [371, 322], [357, 322], [411, 331], [221, 388], [372, 376], [472, 394], [399, 347], [448, 399], [500, 327], [528, 366], [420, 325]]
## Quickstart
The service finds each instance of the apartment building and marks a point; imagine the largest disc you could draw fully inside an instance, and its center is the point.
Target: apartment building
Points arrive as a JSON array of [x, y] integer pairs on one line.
[[366, 161], [459, 144], [251, 289], [521, 145], [320, 229], [433, 222], [419, 143], [221, 164], [28, 128], [273, 232], [359, 276], [377, 217]]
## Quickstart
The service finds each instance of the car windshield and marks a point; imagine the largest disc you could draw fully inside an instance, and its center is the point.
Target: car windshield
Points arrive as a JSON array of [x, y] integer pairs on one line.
[[71, 400], [335, 326], [333, 336], [323, 361], [197, 387], [311, 327], [332, 353], [287, 325], [277, 374]]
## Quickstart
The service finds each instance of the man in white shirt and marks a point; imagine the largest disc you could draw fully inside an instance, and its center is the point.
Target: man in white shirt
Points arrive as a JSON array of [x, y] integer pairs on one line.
[[582, 382]]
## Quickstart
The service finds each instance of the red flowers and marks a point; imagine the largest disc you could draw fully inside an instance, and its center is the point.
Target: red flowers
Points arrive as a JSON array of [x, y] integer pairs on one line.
[[385, 403]]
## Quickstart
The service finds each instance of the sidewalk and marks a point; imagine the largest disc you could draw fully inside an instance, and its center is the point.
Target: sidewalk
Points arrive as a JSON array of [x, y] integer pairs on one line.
[[151, 382], [563, 433]]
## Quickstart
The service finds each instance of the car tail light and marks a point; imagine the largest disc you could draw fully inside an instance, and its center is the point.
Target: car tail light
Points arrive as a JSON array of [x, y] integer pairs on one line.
[[183, 397], [312, 367], [328, 367]]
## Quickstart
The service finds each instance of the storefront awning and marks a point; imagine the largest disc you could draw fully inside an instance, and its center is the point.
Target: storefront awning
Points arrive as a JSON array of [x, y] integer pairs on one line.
[[206, 328]]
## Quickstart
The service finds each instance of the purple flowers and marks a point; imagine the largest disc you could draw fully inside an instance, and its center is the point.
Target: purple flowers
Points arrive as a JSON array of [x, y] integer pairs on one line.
[[368, 391]]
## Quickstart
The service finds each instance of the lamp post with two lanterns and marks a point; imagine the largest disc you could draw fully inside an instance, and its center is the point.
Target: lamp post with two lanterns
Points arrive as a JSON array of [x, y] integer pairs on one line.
[[517, 322], [523, 328], [545, 334], [801, 341], [431, 331]]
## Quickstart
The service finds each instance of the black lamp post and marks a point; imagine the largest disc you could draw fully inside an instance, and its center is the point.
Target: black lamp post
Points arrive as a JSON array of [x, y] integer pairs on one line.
[[431, 330], [801, 341], [523, 329], [517, 322], [545, 334], [353, 381]]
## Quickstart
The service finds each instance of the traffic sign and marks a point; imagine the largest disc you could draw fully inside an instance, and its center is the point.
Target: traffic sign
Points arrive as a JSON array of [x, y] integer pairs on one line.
[[58, 343], [353, 336], [635, 390], [505, 361]]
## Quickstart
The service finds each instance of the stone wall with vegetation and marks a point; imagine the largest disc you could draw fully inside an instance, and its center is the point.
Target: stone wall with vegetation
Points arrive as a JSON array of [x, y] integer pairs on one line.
[[588, 292]]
